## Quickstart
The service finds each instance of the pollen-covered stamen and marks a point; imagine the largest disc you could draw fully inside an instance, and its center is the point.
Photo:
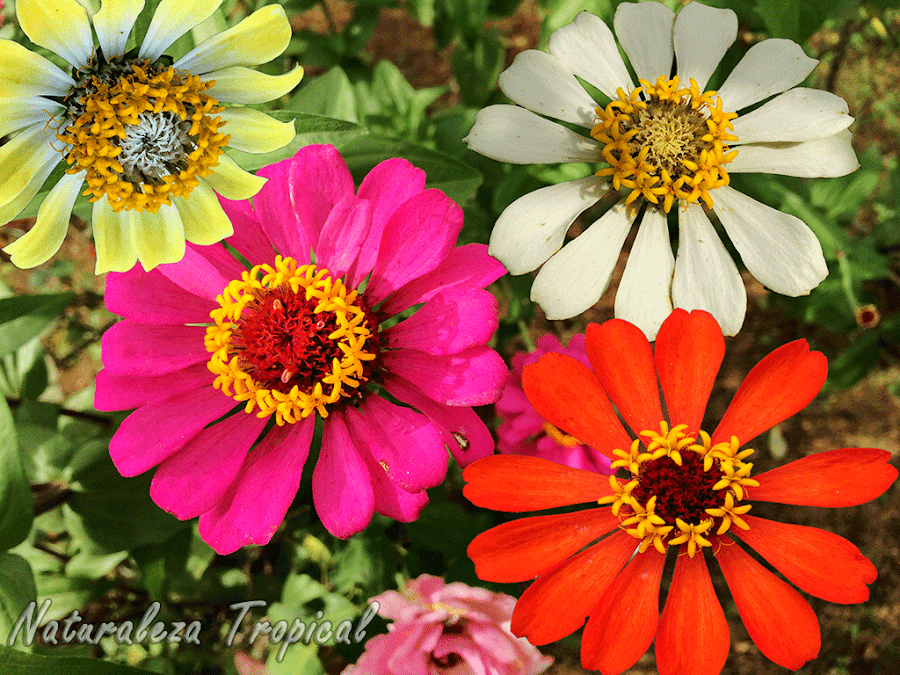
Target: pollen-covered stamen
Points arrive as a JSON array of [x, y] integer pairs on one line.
[[666, 142], [560, 437], [291, 340]]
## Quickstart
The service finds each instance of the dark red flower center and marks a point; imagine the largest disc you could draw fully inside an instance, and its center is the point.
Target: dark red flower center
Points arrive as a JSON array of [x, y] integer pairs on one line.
[[684, 491]]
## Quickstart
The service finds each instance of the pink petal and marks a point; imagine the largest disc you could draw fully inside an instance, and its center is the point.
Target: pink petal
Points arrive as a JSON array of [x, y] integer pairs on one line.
[[130, 348], [192, 480], [248, 239], [343, 235], [126, 392], [199, 273], [417, 238], [342, 488], [150, 298], [467, 266], [448, 323], [273, 468], [157, 430]]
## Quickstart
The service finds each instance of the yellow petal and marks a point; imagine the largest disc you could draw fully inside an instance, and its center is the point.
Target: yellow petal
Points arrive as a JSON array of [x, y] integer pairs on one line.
[[172, 19], [257, 39], [24, 73], [19, 112], [254, 131], [114, 22], [158, 237], [112, 238], [244, 85], [232, 182], [9, 211], [62, 26], [22, 158], [43, 240], [202, 216]]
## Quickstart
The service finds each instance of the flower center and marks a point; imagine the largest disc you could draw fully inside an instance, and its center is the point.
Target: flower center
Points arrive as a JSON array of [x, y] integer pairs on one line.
[[291, 340], [669, 143], [678, 491], [142, 133], [558, 436]]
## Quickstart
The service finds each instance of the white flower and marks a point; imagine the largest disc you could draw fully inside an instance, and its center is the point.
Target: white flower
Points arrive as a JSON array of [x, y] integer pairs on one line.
[[668, 143]]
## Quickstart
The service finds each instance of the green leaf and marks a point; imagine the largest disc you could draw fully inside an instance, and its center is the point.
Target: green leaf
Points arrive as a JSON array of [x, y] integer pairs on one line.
[[329, 95], [17, 589], [16, 505], [854, 362], [799, 19], [24, 317], [12, 661]]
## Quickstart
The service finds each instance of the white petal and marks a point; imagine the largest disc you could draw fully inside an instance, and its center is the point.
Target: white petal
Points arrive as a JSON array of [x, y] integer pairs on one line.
[[822, 158], [254, 131], [778, 249], [512, 134], [244, 85], [232, 182], [24, 73], [644, 297], [533, 227], [202, 216], [797, 115], [259, 38], [43, 240], [171, 20], [22, 158], [574, 279], [62, 26], [705, 275], [588, 49], [540, 82], [114, 22], [769, 67], [13, 208], [17, 113], [158, 237], [644, 30], [112, 238], [702, 36]]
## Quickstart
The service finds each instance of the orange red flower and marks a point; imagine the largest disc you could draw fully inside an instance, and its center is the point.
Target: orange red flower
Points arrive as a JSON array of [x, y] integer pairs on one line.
[[678, 488]]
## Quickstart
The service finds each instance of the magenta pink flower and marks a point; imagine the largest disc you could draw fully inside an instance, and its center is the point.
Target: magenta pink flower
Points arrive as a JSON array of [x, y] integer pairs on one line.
[[524, 432], [443, 628], [229, 367]]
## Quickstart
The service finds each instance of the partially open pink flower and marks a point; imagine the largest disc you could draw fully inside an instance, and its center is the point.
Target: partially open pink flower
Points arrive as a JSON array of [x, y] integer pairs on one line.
[[441, 629], [524, 432], [229, 366]]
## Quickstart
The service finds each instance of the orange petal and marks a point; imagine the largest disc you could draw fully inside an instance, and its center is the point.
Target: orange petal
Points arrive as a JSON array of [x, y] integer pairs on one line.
[[780, 385], [778, 619], [557, 604], [844, 477], [689, 351], [815, 561], [524, 549], [567, 394], [623, 624], [518, 483], [693, 635], [623, 363]]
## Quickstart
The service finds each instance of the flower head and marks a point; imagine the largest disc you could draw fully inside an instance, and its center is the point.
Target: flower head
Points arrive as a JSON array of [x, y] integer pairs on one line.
[[231, 365], [524, 432], [679, 491], [142, 136], [669, 143], [447, 628]]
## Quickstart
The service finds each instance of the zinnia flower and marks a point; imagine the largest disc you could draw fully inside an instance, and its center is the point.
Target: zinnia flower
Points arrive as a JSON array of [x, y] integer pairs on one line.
[[679, 490], [216, 356], [144, 133], [443, 628], [668, 142], [524, 432]]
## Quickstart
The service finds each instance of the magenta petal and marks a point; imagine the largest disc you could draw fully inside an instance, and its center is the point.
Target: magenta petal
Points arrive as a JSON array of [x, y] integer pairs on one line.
[[462, 429], [198, 274], [125, 392], [131, 348], [474, 376], [248, 239], [417, 238], [343, 235], [342, 489], [157, 430], [192, 480], [467, 266], [266, 485], [448, 323], [150, 298]]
